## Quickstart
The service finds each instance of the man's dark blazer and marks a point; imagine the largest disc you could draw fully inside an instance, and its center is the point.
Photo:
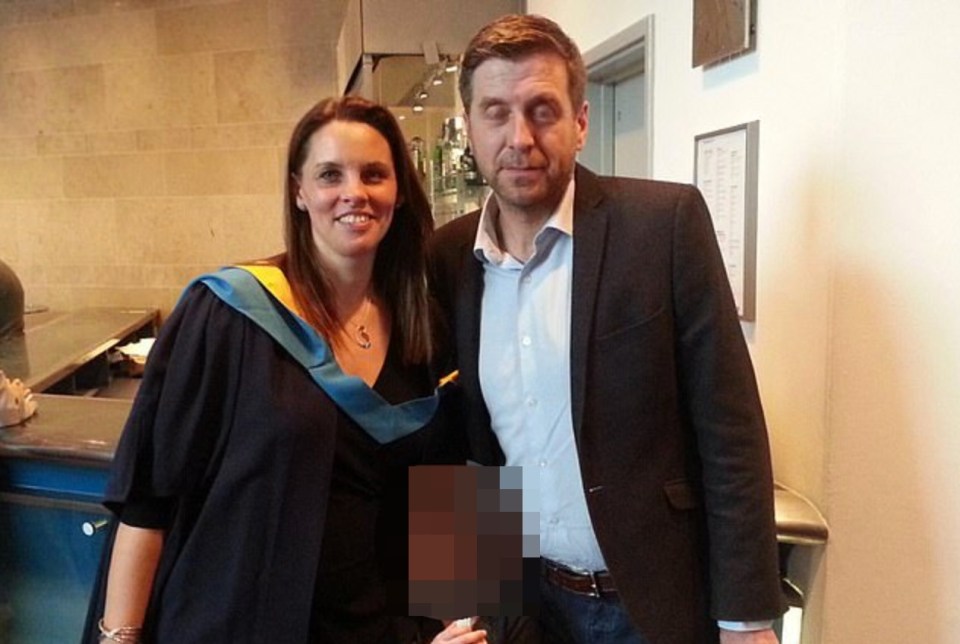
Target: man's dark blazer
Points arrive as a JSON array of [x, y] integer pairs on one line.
[[666, 414]]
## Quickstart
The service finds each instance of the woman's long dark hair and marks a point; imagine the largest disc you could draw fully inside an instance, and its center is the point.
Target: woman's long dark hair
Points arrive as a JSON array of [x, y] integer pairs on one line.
[[399, 270]]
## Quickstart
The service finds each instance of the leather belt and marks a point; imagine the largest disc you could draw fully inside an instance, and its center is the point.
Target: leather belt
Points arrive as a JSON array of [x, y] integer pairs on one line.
[[592, 584]]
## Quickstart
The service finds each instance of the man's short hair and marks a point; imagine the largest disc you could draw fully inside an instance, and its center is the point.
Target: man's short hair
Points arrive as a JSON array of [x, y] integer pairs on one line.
[[514, 37]]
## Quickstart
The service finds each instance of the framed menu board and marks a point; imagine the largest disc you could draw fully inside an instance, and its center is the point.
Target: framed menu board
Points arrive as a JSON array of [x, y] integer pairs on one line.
[[725, 170]]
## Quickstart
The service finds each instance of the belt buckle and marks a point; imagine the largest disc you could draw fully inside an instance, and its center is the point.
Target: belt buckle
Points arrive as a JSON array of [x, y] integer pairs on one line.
[[594, 586]]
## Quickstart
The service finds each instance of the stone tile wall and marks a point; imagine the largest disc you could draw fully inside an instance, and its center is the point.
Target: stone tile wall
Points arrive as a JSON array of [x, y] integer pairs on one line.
[[142, 141]]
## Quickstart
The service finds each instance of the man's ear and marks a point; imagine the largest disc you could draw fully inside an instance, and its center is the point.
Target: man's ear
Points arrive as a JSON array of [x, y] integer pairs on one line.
[[583, 124]]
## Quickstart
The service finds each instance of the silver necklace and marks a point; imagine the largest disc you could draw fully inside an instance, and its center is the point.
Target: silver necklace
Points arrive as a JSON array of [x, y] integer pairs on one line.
[[362, 337]]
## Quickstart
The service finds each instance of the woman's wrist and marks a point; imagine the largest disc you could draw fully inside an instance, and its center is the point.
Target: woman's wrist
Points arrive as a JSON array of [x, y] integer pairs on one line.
[[119, 634]]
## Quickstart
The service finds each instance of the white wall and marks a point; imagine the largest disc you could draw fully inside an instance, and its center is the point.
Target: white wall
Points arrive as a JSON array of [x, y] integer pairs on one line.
[[894, 457], [857, 341]]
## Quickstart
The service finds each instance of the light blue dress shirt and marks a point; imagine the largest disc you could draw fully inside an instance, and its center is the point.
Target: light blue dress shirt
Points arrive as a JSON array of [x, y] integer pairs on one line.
[[525, 378]]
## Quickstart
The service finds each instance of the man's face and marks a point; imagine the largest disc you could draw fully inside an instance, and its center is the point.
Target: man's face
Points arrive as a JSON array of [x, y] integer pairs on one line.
[[524, 131]]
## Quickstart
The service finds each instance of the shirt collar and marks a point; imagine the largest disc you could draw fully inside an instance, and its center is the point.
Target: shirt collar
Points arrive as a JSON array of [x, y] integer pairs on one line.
[[486, 247]]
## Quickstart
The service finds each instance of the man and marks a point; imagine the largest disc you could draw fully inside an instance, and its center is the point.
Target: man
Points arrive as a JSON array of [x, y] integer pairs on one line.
[[598, 343], [11, 302]]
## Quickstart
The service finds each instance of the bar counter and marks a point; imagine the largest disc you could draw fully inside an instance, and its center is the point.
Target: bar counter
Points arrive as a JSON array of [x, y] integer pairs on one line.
[[78, 429], [56, 344], [53, 472]]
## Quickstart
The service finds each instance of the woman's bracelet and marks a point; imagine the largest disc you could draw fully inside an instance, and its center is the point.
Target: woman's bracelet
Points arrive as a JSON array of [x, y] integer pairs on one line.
[[122, 634]]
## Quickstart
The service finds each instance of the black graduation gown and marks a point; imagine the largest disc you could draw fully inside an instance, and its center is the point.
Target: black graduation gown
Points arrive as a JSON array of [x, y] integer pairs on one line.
[[234, 433]]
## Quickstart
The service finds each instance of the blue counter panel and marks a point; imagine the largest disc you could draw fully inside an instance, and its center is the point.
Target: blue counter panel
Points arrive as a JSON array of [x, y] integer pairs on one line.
[[47, 564], [58, 480]]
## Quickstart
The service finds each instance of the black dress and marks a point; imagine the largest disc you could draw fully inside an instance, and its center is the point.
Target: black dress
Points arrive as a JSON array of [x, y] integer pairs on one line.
[[361, 585], [285, 521]]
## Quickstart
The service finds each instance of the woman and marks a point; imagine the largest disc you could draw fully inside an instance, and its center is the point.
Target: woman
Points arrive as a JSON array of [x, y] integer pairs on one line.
[[260, 481]]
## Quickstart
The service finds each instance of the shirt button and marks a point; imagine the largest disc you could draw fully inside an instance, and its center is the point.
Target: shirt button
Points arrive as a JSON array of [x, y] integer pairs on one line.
[[554, 521], [526, 341], [526, 279], [543, 463], [531, 402]]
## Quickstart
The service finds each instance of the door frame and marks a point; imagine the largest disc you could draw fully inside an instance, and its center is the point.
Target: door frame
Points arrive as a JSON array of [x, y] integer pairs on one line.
[[621, 56]]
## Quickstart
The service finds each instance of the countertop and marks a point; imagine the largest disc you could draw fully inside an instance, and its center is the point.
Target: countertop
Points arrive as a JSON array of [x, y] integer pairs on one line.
[[55, 343], [74, 428]]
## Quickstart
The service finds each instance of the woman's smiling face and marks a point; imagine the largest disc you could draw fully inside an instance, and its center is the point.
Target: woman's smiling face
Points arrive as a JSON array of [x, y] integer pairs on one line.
[[348, 186]]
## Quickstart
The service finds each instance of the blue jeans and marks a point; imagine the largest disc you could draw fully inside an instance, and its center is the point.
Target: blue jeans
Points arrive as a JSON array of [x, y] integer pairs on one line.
[[569, 618]]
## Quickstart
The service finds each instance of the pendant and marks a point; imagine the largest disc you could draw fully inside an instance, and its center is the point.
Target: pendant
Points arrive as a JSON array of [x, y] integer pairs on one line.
[[364, 342]]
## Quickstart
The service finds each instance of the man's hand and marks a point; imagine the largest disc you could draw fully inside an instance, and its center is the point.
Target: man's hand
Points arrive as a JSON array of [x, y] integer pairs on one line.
[[748, 637]]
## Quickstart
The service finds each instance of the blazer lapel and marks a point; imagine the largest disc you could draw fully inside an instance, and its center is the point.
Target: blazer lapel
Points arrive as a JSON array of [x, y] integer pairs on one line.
[[469, 299], [484, 447], [589, 239]]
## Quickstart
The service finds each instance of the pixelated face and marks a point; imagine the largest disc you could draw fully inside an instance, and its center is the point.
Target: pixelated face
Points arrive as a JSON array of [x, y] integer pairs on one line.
[[465, 541]]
